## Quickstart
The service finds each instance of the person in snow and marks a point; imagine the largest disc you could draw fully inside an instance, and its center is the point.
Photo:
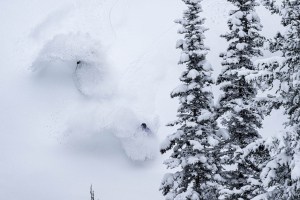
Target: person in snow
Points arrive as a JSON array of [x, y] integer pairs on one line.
[[145, 128]]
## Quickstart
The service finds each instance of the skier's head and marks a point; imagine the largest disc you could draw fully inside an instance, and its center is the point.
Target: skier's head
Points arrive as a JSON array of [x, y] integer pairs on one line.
[[144, 125]]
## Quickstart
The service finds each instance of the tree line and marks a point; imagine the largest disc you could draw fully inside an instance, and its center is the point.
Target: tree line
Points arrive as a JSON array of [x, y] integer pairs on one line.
[[217, 151]]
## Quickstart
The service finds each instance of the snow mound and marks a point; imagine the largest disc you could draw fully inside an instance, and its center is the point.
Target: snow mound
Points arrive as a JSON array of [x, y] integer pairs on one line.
[[141, 147], [93, 122], [91, 80], [77, 58], [139, 143]]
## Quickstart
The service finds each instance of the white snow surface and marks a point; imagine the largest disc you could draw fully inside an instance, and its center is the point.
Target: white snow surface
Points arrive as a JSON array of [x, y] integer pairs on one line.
[[66, 125]]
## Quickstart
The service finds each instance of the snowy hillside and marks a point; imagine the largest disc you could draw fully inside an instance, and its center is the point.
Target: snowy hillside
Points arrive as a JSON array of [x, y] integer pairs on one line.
[[78, 78]]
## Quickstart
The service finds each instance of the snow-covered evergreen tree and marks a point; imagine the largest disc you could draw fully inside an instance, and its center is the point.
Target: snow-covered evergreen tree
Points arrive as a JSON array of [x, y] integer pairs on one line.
[[192, 146], [271, 5], [237, 107], [281, 175]]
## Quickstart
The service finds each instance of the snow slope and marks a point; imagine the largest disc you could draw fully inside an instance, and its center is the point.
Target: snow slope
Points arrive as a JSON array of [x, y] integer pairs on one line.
[[57, 139]]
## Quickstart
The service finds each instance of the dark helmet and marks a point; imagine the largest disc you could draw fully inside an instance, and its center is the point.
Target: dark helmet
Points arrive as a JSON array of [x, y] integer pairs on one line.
[[144, 126]]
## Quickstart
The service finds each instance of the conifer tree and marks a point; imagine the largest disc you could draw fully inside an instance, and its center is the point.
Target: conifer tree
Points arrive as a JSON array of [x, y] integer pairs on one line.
[[92, 193], [192, 145], [281, 175], [237, 108]]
